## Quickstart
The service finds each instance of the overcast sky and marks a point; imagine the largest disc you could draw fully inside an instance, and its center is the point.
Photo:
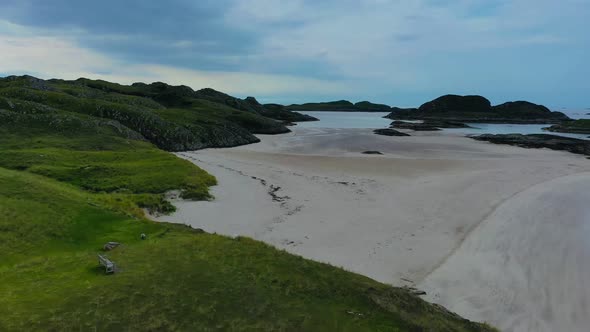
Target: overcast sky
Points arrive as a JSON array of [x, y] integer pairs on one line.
[[399, 52]]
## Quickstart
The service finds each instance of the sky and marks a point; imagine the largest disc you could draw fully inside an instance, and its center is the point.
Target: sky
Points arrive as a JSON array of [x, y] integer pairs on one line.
[[397, 52]]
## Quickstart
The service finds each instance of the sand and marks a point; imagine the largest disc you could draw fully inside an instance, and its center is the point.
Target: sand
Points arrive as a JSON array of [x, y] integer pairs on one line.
[[495, 233]]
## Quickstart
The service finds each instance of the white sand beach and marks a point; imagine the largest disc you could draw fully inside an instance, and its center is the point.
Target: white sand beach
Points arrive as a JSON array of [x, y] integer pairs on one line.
[[495, 233]]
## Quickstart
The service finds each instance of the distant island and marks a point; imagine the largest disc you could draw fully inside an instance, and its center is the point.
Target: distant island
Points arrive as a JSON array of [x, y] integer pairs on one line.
[[454, 108], [340, 106], [479, 109]]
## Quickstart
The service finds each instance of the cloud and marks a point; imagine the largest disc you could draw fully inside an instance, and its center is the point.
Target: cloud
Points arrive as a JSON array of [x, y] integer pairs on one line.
[[49, 57], [387, 50]]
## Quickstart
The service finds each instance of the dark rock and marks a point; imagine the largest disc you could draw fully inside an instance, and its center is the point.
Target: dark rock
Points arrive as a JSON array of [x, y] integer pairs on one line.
[[446, 124], [428, 125], [478, 109], [413, 126], [527, 110], [399, 109], [455, 103], [389, 132], [252, 101], [574, 145], [371, 152], [366, 106], [279, 112], [581, 126]]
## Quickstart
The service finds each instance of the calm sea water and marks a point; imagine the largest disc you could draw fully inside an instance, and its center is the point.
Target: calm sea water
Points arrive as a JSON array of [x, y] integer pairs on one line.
[[376, 120]]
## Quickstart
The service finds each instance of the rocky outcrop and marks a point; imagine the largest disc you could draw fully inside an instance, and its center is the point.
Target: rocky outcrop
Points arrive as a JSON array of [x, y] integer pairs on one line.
[[167, 116], [553, 142], [479, 109], [427, 125], [581, 126], [366, 106], [413, 126], [456, 104], [279, 112], [527, 110], [389, 132]]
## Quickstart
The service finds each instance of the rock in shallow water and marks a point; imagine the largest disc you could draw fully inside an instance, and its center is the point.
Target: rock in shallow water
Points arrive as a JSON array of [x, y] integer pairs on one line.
[[389, 132], [554, 142]]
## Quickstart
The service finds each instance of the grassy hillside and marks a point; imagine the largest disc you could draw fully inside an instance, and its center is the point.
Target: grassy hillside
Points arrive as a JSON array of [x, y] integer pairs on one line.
[[141, 108], [76, 169], [177, 279]]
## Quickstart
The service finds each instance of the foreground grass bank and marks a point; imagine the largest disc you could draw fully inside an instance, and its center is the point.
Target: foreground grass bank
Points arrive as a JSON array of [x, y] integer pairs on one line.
[[71, 181], [177, 279]]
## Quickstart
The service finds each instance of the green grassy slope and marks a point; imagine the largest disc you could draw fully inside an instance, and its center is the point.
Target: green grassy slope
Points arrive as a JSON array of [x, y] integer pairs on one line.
[[72, 179], [177, 279], [141, 108]]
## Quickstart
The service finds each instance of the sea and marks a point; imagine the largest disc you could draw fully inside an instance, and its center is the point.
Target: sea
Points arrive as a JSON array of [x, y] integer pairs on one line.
[[374, 120]]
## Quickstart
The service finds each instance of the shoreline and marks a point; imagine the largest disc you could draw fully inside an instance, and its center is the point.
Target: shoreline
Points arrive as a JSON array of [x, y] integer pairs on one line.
[[395, 217]]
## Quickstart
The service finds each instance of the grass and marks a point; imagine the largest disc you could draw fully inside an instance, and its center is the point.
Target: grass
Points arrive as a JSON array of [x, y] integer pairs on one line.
[[70, 182], [177, 279], [102, 163]]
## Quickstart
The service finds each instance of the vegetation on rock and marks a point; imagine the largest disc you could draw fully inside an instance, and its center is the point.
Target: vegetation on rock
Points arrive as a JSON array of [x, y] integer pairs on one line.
[[340, 106], [581, 126], [479, 109], [574, 145]]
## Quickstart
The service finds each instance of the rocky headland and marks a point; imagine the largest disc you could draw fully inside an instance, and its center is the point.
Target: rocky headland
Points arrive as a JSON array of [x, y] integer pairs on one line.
[[479, 109]]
